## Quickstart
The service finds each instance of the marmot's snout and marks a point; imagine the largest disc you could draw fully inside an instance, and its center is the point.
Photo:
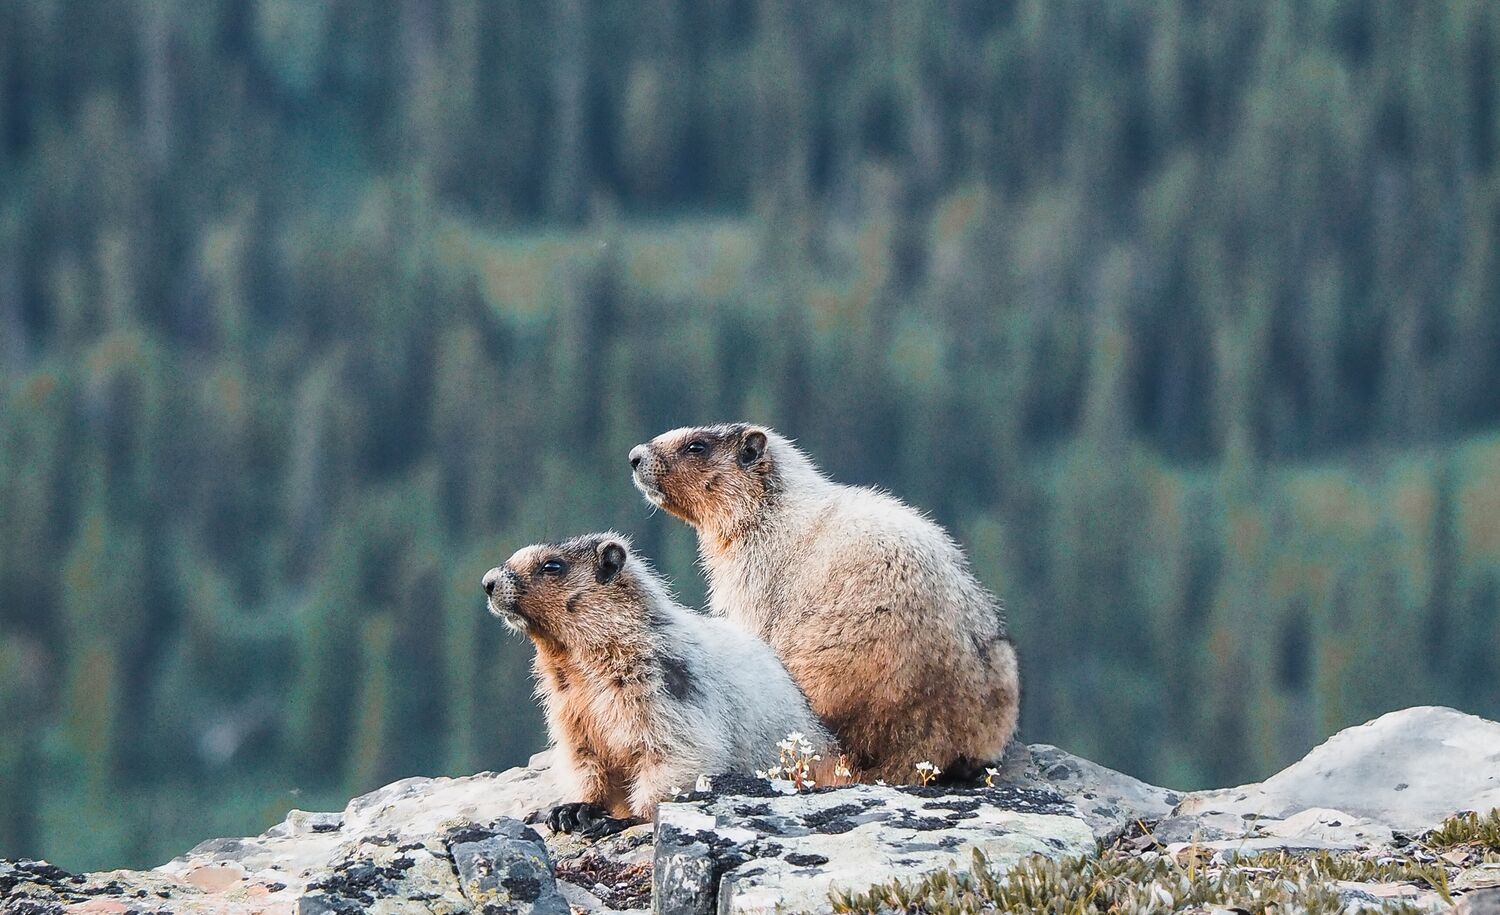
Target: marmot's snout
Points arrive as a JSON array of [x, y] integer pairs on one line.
[[500, 585], [646, 468]]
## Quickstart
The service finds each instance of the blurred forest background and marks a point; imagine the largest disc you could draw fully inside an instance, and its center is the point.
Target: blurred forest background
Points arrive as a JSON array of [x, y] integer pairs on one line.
[[1184, 315]]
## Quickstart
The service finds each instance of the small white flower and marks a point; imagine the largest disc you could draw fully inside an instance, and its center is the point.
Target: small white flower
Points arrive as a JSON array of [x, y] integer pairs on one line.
[[926, 766], [762, 773], [880, 782], [796, 736], [703, 785], [809, 783]]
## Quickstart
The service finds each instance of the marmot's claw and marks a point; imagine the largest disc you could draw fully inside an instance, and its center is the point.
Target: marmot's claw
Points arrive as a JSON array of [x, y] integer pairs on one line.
[[607, 826], [581, 818]]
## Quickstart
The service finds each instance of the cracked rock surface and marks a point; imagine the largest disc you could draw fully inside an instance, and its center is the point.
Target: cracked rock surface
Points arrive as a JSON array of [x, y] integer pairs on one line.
[[396, 849], [732, 853]]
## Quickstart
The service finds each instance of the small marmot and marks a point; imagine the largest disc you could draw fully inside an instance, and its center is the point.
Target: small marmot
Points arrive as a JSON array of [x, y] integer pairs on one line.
[[641, 694], [869, 604]]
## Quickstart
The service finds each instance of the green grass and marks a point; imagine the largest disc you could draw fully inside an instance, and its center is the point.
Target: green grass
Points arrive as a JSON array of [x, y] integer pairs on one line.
[[1114, 883]]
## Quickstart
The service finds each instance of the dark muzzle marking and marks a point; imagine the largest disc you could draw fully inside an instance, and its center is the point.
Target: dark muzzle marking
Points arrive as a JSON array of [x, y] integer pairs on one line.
[[678, 679]]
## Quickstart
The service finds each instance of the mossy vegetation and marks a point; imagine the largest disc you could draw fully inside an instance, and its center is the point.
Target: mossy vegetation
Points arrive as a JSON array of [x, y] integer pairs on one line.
[[1119, 883]]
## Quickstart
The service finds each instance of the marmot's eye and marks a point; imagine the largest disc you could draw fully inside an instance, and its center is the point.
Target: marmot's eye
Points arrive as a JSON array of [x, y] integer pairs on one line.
[[695, 447], [553, 567]]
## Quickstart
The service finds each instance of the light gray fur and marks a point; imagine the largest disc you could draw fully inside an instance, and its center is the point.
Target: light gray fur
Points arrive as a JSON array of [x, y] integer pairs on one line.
[[743, 701]]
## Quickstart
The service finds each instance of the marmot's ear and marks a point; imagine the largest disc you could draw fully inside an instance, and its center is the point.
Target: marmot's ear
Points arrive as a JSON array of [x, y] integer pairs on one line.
[[611, 561], [752, 447]]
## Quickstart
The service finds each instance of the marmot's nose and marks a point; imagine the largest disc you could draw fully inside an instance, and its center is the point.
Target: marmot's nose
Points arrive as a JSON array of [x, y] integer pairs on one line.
[[491, 579], [637, 454]]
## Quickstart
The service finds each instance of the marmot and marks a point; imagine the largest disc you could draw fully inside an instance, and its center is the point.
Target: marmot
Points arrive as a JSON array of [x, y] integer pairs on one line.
[[641, 694], [869, 604]]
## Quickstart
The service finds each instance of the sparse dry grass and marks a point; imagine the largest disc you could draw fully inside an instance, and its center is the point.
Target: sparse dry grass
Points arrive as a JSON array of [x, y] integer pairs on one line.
[[1116, 883]]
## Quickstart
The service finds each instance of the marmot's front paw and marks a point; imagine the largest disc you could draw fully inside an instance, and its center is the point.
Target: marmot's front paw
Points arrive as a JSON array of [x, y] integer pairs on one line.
[[588, 820]]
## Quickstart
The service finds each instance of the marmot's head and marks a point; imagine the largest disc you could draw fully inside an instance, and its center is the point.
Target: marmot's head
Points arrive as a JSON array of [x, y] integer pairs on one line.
[[581, 593], [712, 477]]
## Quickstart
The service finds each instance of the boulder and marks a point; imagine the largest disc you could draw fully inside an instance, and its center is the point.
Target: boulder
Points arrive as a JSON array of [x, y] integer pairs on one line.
[[747, 847], [387, 851], [1109, 801], [1482, 902], [1404, 772], [506, 868]]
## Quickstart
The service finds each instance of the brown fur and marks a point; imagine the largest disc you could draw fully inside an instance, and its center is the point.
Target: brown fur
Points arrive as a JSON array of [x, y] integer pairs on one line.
[[876, 615], [593, 653], [699, 491]]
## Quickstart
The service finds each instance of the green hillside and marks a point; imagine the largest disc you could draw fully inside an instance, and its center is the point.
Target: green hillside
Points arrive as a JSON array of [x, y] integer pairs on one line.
[[1183, 315]]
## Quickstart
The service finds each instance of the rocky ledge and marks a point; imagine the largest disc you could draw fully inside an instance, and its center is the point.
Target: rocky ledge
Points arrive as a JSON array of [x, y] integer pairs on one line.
[[1363, 822]]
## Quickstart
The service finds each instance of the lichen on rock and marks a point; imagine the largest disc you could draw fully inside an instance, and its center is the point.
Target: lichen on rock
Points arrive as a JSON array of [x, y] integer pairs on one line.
[[1364, 822]]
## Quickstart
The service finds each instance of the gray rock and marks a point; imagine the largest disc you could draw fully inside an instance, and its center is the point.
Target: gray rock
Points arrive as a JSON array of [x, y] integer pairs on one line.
[[386, 852], [1479, 902], [1375, 897], [298, 823], [505, 867], [614, 872], [1483, 877], [581, 900], [686, 871], [1403, 772], [413, 810], [1109, 801], [383, 874], [454, 845], [760, 850]]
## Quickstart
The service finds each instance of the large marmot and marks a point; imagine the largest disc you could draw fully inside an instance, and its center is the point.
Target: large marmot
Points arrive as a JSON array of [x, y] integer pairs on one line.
[[641, 694], [871, 606]]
